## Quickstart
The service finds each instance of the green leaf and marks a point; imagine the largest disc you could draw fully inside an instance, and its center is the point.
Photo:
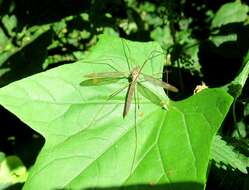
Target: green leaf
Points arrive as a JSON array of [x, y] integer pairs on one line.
[[10, 22], [235, 87], [162, 36], [4, 41], [240, 130], [90, 145], [220, 39], [230, 13], [224, 155]]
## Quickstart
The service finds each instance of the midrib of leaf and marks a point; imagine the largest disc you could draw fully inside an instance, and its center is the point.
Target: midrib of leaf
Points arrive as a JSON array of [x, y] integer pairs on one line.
[[187, 135], [163, 166]]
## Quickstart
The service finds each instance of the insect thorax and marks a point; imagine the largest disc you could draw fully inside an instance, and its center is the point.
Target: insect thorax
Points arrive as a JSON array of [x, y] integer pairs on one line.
[[135, 73]]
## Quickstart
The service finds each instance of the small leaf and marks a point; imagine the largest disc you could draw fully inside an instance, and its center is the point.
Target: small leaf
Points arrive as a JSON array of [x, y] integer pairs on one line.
[[12, 171], [224, 155], [10, 22], [220, 39], [230, 13]]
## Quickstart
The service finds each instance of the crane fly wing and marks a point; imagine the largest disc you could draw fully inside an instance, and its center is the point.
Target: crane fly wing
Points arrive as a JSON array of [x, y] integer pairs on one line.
[[160, 83], [150, 95], [100, 81], [102, 78]]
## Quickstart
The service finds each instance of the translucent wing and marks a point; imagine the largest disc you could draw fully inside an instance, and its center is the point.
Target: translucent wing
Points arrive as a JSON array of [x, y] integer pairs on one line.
[[96, 79], [160, 83], [147, 93], [99, 81]]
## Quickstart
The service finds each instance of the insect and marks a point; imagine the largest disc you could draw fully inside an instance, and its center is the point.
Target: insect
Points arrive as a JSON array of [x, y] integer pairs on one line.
[[103, 78], [135, 78]]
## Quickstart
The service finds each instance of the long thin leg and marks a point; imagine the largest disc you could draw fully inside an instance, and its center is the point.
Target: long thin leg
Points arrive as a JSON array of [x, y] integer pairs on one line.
[[117, 92], [167, 80], [109, 65], [135, 134], [137, 98], [146, 61]]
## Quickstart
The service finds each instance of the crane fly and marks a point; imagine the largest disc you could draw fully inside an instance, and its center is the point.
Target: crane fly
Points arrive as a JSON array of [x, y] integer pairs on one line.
[[104, 78]]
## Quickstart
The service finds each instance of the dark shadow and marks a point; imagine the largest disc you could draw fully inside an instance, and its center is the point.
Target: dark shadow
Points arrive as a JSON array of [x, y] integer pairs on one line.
[[171, 186], [16, 138], [183, 79], [26, 61], [218, 69], [221, 63], [201, 22], [17, 186], [221, 179], [33, 12]]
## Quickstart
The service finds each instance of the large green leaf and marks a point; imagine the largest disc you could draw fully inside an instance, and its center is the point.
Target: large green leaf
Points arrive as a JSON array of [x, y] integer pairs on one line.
[[89, 144]]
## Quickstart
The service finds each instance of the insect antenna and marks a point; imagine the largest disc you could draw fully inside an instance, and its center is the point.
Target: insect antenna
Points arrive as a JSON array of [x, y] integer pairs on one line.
[[126, 57]]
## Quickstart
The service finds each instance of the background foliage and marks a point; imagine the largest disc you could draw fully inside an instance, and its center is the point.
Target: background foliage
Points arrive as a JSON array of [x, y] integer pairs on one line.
[[205, 42]]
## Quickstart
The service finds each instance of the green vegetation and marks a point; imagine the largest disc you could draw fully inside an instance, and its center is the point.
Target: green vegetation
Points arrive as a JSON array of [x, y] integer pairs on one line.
[[58, 132]]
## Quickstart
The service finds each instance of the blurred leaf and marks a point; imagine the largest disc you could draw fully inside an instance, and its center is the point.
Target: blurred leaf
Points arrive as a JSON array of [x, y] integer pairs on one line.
[[10, 23], [246, 111], [90, 142], [162, 36], [147, 7], [4, 56], [128, 26], [230, 13], [84, 16], [55, 59], [240, 130], [4, 41], [12, 171], [2, 156], [150, 19], [192, 51], [220, 39]]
